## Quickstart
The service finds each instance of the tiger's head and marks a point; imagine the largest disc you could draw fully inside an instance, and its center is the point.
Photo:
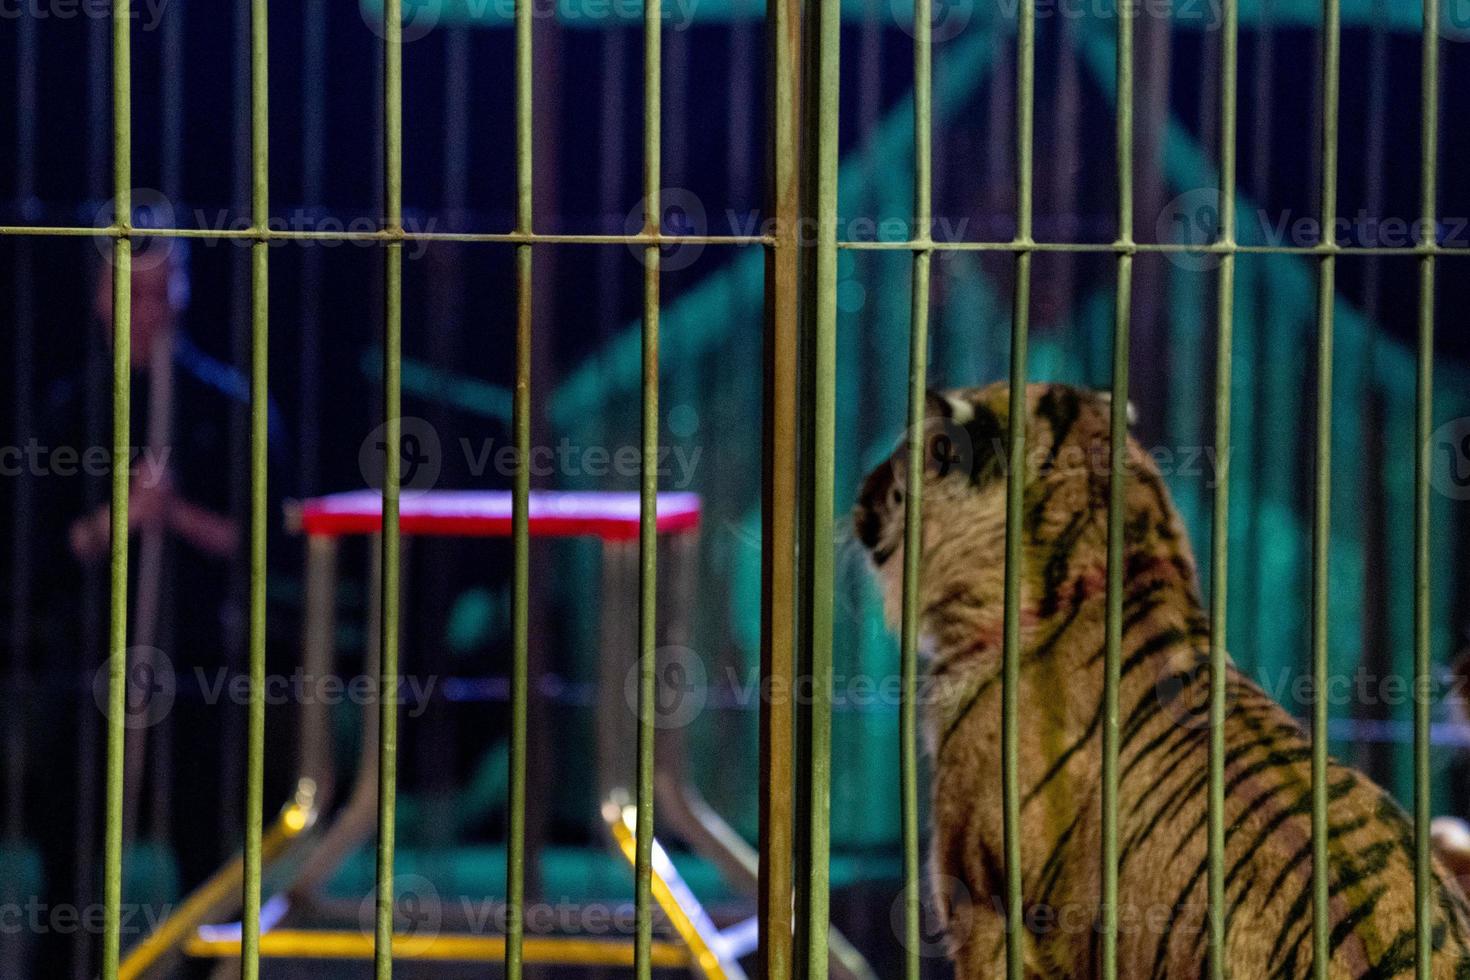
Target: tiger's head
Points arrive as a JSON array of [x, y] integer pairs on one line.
[[1063, 509]]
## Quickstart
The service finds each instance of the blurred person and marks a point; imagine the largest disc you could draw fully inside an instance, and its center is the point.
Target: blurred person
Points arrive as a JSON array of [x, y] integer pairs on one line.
[[194, 513], [185, 514]]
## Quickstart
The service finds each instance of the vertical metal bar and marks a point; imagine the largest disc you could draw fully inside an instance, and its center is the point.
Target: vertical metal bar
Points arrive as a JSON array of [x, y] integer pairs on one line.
[[1220, 528], [259, 415], [515, 865], [259, 307], [1117, 490], [1015, 489], [1424, 422], [648, 492], [778, 494], [815, 584], [1321, 516], [913, 500], [392, 438], [122, 282]]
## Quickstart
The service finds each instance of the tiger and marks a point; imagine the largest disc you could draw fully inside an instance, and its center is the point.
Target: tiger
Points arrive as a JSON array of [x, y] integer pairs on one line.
[[1162, 914]]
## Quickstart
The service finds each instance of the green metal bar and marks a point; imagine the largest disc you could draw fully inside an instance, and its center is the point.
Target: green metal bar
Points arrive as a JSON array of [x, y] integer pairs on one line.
[[519, 238], [259, 417], [819, 323], [122, 328], [648, 492], [779, 499], [908, 725], [1423, 425], [1220, 528], [1321, 515], [390, 235], [1157, 248], [515, 851], [1117, 495], [392, 439], [1015, 492]]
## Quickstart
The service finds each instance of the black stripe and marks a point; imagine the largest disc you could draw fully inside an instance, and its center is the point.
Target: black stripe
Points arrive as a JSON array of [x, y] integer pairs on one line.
[[1283, 758], [1301, 806], [1349, 923], [1301, 854], [1054, 573], [1203, 866], [1184, 735], [1157, 643], [1060, 407], [1344, 872], [1044, 648], [1053, 866], [1066, 756], [1397, 959], [1195, 781]]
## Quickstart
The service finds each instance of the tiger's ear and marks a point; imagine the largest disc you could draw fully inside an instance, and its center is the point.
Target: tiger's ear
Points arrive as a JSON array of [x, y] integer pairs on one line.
[[1107, 399], [938, 405]]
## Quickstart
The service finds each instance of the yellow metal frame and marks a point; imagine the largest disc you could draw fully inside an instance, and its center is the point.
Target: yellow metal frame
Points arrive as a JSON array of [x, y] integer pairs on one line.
[[222, 888], [697, 949], [622, 819], [325, 944]]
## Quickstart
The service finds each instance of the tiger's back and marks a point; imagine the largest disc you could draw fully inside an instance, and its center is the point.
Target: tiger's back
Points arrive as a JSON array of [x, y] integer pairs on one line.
[[1164, 735]]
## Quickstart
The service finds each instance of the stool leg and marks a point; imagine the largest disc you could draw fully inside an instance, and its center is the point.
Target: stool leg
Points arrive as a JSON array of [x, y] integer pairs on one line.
[[617, 654], [317, 655]]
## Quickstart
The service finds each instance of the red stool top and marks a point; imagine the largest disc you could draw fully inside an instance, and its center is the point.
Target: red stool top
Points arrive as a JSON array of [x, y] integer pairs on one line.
[[486, 513]]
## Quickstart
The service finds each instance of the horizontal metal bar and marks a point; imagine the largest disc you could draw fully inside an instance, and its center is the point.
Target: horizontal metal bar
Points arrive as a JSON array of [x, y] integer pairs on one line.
[[911, 245], [383, 235], [1129, 248]]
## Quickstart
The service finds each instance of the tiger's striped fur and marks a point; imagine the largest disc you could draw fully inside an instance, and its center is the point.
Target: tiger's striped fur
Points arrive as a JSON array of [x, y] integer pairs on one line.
[[1163, 728]]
